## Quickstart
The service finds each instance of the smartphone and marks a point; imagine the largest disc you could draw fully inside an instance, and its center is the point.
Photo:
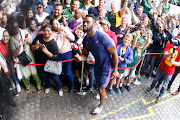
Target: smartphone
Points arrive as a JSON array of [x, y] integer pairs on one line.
[[40, 45]]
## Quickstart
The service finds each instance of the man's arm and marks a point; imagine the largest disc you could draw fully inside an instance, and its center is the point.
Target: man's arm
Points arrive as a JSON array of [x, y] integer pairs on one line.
[[124, 6], [83, 56], [167, 54], [113, 52], [177, 64]]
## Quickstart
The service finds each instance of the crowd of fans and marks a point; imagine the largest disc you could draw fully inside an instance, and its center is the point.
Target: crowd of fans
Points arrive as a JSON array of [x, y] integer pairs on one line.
[[53, 30]]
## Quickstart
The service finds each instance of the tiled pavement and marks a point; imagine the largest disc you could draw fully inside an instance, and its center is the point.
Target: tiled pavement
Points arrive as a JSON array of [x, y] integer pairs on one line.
[[129, 105]]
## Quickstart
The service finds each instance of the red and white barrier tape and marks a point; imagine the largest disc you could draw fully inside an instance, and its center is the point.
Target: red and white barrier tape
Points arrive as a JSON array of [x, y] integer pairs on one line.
[[94, 62]]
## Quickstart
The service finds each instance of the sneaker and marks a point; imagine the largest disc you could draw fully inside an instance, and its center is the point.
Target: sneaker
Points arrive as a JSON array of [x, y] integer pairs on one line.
[[118, 90], [128, 88], [91, 90], [157, 88], [47, 90], [111, 91], [87, 82], [60, 93], [10, 89], [149, 78], [148, 90], [143, 75], [122, 89], [154, 72], [18, 88], [158, 99]]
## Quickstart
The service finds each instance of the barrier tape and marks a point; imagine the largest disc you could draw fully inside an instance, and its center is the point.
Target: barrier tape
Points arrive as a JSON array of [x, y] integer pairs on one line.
[[132, 66], [154, 53], [94, 62], [44, 64]]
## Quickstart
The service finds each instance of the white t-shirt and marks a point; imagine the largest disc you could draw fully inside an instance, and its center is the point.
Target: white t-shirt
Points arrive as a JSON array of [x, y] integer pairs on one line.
[[41, 19]]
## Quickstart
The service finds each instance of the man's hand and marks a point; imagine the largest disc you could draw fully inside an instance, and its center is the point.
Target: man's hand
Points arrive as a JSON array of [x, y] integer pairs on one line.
[[77, 57], [115, 74]]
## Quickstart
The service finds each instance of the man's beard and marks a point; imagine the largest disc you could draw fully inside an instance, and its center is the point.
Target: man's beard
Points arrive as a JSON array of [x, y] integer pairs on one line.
[[88, 29]]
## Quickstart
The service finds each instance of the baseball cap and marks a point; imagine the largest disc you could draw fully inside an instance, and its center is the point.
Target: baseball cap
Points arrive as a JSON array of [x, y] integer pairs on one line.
[[40, 5], [105, 22], [141, 40]]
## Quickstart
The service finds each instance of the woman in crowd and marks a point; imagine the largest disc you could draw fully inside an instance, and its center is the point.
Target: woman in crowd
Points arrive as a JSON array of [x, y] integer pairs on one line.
[[7, 56], [20, 41], [46, 48], [32, 28], [65, 51]]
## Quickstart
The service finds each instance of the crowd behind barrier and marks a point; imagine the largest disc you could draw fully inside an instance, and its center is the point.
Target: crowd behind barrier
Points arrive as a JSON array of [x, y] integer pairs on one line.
[[55, 30]]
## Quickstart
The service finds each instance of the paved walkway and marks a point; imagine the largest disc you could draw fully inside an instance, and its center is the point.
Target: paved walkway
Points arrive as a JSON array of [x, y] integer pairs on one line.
[[129, 105]]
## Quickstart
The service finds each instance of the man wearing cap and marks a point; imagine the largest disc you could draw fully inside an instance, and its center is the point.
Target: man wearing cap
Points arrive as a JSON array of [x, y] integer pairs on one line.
[[106, 28], [41, 15]]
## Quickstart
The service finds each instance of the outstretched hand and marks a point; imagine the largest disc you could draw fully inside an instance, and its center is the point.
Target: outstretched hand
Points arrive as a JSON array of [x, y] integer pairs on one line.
[[77, 57]]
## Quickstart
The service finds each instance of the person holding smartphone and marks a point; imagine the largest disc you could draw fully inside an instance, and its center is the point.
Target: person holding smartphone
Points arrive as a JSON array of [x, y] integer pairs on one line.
[[46, 48]]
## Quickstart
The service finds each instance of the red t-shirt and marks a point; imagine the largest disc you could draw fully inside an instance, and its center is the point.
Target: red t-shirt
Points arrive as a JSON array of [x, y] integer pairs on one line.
[[165, 64], [3, 49], [113, 36]]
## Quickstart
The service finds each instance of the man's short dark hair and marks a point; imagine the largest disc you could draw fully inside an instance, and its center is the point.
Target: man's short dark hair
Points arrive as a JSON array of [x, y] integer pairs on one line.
[[92, 16]]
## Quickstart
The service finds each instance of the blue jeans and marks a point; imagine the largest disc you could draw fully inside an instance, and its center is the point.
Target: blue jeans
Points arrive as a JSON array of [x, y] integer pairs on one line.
[[14, 79], [161, 76], [67, 65], [90, 69], [45, 76], [152, 60]]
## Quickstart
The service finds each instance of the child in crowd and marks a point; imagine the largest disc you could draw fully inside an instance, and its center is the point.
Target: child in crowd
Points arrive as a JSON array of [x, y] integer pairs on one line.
[[90, 69], [139, 46], [102, 14], [125, 55], [76, 49]]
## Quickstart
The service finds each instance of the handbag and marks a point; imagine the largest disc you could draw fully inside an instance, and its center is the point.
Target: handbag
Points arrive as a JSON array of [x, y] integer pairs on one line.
[[24, 58], [54, 67]]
